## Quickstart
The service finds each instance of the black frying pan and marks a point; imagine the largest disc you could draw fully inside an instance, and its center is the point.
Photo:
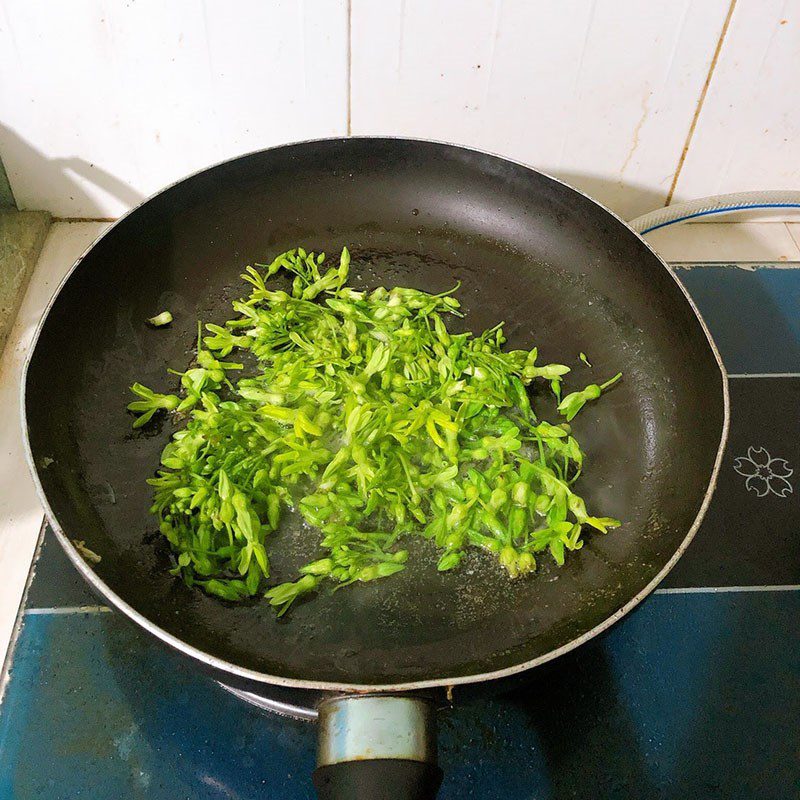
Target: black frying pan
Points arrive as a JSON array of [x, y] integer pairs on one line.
[[562, 271]]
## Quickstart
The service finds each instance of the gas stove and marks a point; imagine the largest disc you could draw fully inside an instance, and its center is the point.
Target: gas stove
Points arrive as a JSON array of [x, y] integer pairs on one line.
[[695, 694]]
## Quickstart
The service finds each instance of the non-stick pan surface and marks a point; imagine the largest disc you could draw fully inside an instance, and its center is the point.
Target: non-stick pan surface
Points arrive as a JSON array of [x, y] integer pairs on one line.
[[562, 272]]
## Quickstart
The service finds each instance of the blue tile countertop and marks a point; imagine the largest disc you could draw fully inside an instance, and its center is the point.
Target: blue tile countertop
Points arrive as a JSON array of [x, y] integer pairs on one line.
[[694, 695], [753, 313]]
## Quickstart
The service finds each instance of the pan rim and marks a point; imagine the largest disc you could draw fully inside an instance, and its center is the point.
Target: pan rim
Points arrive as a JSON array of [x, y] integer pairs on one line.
[[257, 677]]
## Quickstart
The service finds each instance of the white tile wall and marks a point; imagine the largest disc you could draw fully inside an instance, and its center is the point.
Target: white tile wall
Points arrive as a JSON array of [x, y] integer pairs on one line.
[[600, 93], [102, 103], [748, 132]]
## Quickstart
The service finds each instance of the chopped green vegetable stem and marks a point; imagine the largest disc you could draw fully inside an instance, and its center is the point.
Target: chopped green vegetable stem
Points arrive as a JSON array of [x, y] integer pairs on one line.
[[376, 423], [159, 320]]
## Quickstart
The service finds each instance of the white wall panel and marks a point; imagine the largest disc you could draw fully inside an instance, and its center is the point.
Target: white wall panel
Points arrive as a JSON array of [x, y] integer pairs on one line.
[[748, 132], [600, 93], [102, 103]]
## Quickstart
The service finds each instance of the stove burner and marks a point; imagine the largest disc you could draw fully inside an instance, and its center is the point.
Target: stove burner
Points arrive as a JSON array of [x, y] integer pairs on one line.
[[293, 703]]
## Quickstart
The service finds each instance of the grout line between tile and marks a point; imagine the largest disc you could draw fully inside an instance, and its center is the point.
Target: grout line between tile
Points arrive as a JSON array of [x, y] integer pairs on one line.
[[700, 101], [43, 612], [747, 266], [349, 67], [788, 587], [84, 219], [764, 374]]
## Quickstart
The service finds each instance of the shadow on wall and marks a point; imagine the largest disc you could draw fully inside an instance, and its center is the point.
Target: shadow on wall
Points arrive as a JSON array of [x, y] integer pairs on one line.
[[61, 182], [63, 186], [615, 194]]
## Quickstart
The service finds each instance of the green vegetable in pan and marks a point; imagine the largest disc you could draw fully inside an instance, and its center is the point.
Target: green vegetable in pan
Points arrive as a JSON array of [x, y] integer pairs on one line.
[[574, 402], [363, 412], [159, 320]]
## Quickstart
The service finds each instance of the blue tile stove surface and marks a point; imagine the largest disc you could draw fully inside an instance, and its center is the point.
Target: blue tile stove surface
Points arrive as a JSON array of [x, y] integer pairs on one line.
[[696, 694]]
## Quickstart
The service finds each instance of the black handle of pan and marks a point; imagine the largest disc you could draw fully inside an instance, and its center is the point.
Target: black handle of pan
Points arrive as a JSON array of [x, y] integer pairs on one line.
[[372, 747]]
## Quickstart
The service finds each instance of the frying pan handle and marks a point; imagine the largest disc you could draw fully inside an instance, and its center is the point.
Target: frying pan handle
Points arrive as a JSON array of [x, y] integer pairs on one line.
[[377, 747]]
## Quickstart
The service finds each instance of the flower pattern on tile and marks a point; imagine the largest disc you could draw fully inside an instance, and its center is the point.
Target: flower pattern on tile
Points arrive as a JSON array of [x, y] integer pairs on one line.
[[764, 474]]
